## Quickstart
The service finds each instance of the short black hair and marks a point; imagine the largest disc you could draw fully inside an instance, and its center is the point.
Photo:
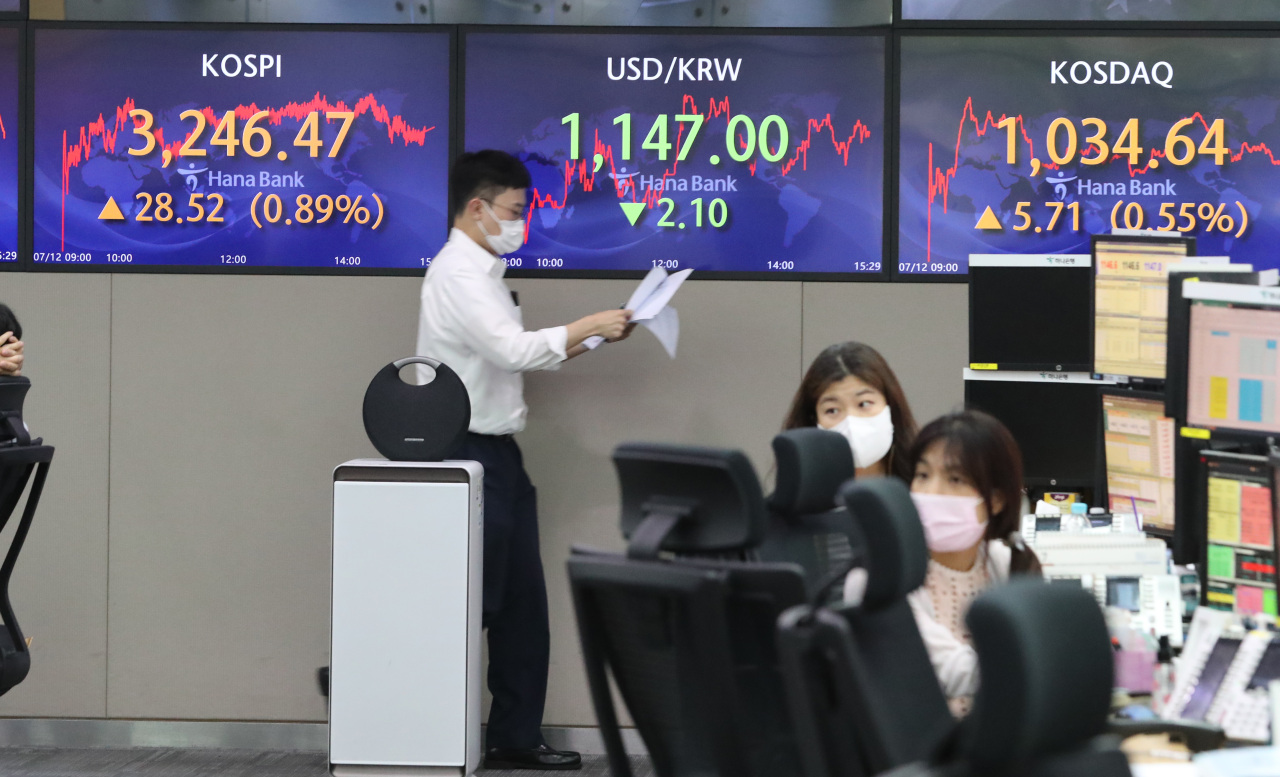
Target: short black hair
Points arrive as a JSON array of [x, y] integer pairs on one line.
[[9, 322], [484, 174]]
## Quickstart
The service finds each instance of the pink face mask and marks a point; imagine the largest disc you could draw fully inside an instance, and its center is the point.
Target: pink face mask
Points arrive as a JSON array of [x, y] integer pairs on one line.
[[950, 522]]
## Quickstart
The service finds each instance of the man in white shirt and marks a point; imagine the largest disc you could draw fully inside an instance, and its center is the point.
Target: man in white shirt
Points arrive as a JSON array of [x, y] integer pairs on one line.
[[471, 322]]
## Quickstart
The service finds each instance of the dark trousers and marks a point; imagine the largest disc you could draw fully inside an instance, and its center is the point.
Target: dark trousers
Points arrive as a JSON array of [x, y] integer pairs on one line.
[[515, 594]]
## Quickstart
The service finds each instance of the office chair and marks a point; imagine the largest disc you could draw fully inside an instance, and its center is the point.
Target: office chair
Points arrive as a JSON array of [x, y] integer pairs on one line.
[[862, 689], [1045, 659], [20, 456], [805, 526], [688, 639]]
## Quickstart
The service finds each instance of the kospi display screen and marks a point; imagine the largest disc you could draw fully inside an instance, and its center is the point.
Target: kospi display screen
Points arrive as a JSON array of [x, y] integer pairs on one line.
[[1031, 144], [9, 139], [235, 149], [731, 154]]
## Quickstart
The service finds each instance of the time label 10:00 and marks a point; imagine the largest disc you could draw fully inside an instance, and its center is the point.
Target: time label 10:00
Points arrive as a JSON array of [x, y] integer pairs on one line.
[[742, 140], [253, 139], [1062, 141]]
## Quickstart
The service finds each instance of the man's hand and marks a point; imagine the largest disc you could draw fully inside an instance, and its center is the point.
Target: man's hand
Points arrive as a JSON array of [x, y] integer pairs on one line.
[[631, 327], [611, 324], [11, 357]]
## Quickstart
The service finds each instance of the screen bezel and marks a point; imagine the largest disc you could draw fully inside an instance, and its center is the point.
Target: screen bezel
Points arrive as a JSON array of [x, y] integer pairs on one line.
[[1039, 484], [29, 74], [1074, 25], [889, 213], [1155, 384], [1048, 366]]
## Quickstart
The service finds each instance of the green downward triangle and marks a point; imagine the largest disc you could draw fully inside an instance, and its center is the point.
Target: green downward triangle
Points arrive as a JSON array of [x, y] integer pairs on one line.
[[633, 210]]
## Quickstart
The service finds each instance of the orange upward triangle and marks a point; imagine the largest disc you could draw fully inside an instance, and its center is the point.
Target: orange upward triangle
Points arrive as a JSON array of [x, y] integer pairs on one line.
[[111, 211]]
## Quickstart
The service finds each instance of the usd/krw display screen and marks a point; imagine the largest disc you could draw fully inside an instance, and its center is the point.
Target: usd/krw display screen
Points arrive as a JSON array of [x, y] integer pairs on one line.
[[724, 153], [1031, 144], [240, 149]]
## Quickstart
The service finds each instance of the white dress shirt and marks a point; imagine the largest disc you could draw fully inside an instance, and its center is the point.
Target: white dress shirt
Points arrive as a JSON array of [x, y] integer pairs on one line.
[[470, 322]]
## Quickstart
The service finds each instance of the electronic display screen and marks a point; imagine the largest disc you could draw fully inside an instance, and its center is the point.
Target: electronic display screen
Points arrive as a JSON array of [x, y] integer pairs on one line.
[[1131, 305], [1138, 447], [732, 154], [1035, 312], [1090, 10], [1030, 144], [1232, 367], [1124, 592], [9, 131], [240, 149], [1053, 423]]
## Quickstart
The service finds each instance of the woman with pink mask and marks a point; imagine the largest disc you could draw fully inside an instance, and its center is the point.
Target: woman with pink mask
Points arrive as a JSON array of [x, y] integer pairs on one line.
[[967, 486]]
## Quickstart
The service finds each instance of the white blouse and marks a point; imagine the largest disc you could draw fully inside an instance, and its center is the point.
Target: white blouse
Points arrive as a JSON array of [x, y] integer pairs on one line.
[[940, 606]]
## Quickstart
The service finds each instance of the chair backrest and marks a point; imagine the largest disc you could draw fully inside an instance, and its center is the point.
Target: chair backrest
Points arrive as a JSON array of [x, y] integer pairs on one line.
[[690, 645], [16, 467], [903, 691], [1045, 659], [805, 527], [829, 695], [689, 640]]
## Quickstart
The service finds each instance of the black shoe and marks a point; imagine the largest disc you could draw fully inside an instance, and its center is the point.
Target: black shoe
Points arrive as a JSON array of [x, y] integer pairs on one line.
[[540, 757]]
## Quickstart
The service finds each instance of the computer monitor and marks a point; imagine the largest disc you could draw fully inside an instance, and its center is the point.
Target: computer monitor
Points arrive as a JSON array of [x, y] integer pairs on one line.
[[1138, 454], [1233, 345], [1175, 386], [1129, 303], [1055, 423], [1030, 311], [1239, 525]]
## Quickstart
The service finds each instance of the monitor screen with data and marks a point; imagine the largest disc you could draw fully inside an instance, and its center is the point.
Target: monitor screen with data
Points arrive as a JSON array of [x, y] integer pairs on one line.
[[233, 149], [753, 155], [1138, 446], [1131, 304]]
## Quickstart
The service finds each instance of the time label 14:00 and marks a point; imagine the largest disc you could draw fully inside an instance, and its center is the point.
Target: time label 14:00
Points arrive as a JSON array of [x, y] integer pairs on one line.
[[253, 139], [742, 140]]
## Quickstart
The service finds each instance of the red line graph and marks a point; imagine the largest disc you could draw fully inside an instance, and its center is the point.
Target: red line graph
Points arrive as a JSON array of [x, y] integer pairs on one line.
[[583, 170], [80, 151], [939, 182]]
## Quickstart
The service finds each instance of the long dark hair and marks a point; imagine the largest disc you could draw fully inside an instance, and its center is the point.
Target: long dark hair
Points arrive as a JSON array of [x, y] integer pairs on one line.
[[865, 363], [984, 450]]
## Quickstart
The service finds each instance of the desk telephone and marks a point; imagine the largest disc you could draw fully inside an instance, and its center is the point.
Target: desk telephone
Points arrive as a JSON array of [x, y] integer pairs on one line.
[[1223, 677]]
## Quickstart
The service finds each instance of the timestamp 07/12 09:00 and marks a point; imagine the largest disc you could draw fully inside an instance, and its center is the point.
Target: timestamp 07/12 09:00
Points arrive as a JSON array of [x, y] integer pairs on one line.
[[58, 257]]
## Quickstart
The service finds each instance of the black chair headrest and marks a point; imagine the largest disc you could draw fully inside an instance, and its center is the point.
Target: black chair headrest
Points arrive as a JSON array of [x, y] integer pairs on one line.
[[812, 465], [709, 498], [895, 552], [1045, 662]]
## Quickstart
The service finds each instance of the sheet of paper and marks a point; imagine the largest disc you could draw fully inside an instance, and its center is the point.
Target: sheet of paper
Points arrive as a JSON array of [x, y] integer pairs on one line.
[[666, 327], [653, 303], [648, 306]]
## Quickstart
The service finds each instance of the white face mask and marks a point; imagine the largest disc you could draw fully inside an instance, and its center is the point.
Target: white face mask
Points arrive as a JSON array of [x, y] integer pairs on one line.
[[510, 235], [870, 437]]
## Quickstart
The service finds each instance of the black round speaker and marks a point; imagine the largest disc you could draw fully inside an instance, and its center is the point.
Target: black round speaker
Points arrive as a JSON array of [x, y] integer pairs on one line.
[[416, 423]]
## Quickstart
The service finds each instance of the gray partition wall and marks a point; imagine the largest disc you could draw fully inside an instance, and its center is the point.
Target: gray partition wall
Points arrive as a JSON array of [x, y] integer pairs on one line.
[[179, 568]]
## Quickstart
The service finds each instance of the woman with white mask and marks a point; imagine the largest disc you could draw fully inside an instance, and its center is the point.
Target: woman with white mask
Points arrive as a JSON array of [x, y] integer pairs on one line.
[[967, 487], [850, 389]]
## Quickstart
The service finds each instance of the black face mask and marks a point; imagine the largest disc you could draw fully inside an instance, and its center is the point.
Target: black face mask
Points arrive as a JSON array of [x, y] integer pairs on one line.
[[416, 423]]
